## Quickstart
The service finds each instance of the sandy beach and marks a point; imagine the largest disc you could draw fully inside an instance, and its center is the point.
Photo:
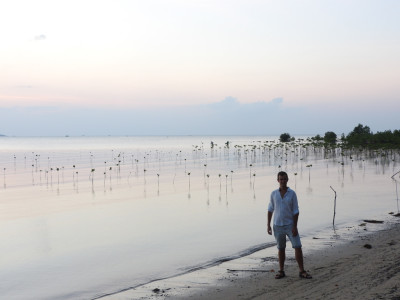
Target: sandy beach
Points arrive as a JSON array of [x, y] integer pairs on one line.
[[366, 267]]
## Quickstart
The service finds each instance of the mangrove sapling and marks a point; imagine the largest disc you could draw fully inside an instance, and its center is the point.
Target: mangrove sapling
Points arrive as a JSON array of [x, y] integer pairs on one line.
[[33, 179], [119, 168], [58, 176], [220, 187], [144, 175], [51, 176], [254, 182], [118, 173], [208, 189], [208, 184], [77, 181], [92, 177], [137, 166], [73, 174], [226, 183], [309, 172], [334, 208]]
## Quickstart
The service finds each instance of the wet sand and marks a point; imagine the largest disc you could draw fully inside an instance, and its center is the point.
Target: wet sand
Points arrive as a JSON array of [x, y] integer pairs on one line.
[[349, 270]]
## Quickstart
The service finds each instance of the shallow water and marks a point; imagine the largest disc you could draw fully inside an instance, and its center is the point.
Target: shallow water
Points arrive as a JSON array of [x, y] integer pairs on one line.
[[123, 211]]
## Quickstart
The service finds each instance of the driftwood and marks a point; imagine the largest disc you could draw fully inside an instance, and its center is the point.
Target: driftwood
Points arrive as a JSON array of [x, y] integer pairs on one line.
[[373, 221], [248, 270]]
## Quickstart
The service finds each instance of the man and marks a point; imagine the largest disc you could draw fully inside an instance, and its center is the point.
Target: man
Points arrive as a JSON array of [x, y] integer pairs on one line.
[[284, 203]]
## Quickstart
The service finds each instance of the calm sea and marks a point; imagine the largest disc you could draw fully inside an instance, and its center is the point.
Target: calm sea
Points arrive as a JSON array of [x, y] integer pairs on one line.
[[82, 217]]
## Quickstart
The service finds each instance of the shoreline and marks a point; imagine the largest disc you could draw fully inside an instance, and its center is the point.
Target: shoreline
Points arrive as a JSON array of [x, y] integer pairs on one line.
[[342, 269]]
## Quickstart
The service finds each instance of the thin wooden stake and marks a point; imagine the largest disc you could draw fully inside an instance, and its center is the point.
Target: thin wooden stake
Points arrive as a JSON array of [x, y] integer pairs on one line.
[[397, 194], [334, 207], [395, 174]]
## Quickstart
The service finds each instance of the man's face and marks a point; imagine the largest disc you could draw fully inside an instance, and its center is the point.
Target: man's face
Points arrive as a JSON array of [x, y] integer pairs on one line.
[[283, 181]]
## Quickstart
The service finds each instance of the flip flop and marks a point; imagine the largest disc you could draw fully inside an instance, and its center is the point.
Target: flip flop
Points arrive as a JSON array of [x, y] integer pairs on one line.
[[280, 275], [304, 275]]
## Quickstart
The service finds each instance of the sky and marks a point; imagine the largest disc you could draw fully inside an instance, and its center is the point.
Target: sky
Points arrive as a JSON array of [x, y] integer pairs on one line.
[[193, 67]]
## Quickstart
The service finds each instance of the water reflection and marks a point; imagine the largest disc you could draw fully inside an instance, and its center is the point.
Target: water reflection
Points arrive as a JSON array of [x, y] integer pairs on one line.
[[309, 190], [335, 235]]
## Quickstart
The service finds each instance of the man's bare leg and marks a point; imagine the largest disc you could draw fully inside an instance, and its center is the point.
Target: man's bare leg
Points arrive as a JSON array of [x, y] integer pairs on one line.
[[299, 258], [300, 261], [282, 257]]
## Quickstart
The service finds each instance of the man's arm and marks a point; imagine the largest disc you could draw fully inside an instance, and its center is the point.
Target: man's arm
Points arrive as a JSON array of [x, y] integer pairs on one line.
[[269, 222], [294, 229]]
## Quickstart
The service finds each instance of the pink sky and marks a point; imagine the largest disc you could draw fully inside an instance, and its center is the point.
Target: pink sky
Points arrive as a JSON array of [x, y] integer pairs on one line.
[[138, 54]]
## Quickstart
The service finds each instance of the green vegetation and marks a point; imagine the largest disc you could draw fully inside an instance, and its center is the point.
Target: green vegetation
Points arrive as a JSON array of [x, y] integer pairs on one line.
[[284, 137], [330, 137], [360, 137]]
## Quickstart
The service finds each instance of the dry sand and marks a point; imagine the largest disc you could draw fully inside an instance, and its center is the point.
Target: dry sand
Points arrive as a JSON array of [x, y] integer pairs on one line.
[[346, 270]]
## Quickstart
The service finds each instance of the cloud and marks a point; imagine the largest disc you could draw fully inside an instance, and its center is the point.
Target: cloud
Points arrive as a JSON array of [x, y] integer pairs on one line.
[[277, 100], [40, 37], [226, 117]]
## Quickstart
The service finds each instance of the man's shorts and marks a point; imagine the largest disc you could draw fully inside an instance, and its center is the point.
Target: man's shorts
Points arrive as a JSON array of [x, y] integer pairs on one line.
[[280, 233]]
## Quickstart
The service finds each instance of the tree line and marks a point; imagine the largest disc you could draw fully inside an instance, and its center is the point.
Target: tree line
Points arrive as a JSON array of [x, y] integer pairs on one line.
[[360, 136]]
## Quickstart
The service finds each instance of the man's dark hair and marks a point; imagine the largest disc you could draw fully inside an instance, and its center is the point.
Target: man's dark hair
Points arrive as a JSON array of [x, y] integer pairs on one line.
[[283, 174]]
